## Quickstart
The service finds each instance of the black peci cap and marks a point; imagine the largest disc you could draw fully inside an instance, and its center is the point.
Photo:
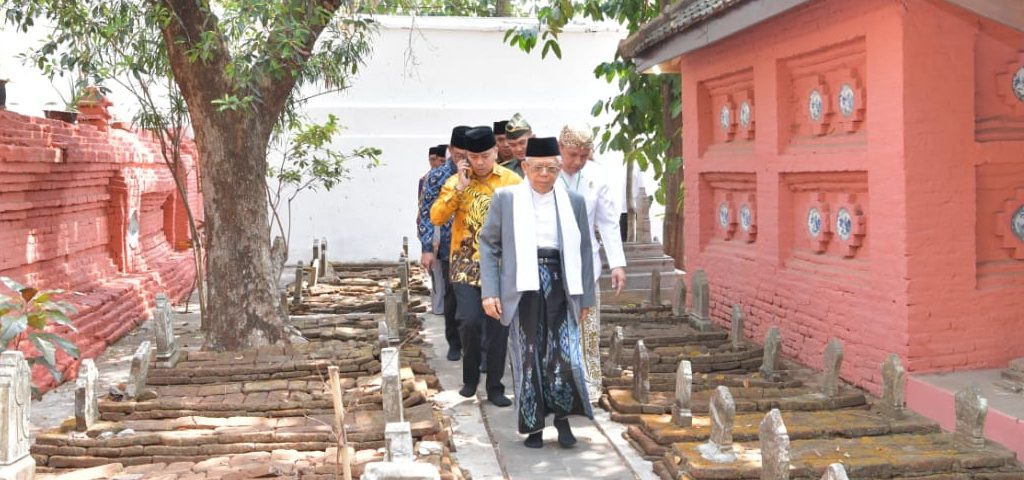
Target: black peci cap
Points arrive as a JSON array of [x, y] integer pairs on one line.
[[442, 149], [542, 147], [499, 127], [459, 136], [480, 139]]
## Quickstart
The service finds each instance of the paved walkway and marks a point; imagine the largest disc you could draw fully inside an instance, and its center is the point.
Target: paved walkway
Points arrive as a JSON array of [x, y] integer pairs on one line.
[[490, 448]]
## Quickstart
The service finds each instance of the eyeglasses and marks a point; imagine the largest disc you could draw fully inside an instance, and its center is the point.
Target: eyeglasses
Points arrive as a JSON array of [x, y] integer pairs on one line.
[[552, 169]]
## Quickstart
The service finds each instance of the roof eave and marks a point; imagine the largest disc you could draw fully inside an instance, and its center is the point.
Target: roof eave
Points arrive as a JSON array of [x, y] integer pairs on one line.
[[707, 32]]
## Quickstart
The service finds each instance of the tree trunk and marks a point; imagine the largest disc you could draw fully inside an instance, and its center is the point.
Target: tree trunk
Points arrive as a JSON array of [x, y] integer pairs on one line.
[[242, 303], [672, 229]]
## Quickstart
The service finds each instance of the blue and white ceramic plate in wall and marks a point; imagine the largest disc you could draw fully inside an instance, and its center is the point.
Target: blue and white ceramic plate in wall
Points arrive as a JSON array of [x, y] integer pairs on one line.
[[814, 221], [1017, 223], [815, 105], [844, 223], [745, 217], [725, 117], [745, 114], [847, 100], [1018, 84], [723, 215]]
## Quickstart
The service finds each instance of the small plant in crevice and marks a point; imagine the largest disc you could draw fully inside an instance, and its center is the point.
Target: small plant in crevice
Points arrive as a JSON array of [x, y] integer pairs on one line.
[[28, 315]]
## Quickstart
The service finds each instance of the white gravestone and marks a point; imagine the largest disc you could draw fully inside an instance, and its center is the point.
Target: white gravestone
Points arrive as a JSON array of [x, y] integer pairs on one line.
[[15, 407], [87, 409]]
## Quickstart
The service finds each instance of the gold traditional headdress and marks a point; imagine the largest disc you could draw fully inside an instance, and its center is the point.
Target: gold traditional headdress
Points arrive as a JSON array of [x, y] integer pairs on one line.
[[581, 136]]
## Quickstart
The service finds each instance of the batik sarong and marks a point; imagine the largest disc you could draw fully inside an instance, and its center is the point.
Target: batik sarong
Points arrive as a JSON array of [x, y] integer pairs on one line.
[[591, 335], [547, 356]]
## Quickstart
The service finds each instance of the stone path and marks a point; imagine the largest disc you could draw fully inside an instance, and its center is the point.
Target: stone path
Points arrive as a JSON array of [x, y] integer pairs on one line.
[[489, 447]]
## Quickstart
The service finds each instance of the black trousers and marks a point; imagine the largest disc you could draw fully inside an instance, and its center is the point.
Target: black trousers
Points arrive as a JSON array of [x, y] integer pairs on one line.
[[451, 323], [623, 225], [469, 310]]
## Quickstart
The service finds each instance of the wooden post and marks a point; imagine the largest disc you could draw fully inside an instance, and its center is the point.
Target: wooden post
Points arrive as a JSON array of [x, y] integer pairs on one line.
[[344, 455]]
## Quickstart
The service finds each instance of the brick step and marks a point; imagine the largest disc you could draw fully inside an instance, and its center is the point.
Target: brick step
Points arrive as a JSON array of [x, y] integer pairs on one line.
[[932, 456], [271, 398], [656, 433], [704, 359], [666, 382], [193, 439], [626, 409], [667, 334]]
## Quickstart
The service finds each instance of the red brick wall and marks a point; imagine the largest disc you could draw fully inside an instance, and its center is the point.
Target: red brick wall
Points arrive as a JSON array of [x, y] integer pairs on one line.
[[930, 163], [783, 163], [964, 128], [66, 195]]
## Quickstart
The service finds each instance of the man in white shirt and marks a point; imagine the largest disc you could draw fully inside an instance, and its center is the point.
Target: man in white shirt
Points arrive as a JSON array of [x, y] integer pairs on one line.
[[587, 179]]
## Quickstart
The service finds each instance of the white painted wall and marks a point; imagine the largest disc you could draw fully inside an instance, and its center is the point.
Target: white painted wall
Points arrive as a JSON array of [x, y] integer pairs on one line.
[[425, 76], [458, 72]]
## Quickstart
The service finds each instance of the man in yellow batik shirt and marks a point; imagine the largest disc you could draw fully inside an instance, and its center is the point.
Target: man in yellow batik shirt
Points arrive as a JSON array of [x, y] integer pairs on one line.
[[467, 194]]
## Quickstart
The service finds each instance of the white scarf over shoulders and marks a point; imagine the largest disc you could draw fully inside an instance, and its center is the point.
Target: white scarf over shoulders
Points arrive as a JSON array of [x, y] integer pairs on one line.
[[525, 228]]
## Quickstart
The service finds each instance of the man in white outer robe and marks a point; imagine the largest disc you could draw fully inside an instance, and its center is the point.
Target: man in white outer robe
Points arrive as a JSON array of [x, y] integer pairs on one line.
[[589, 180]]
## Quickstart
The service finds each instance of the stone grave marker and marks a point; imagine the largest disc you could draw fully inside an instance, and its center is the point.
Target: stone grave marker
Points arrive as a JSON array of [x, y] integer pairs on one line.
[[15, 407], [833, 360], [614, 366], [139, 370], [971, 409], [655, 288], [835, 471], [167, 352], [700, 316], [391, 385], [403, 280], [774, 447], [398, 442], [382, 333], [641, 372], [323, 257], [679, 299], [723, 415], [736, 328], [682, 415], [297, 294], [87, 409], [893, 381], [400, 471], [405, 246], [391, 316], [643, 217], [284, 305], [314, 264], [772, 354]]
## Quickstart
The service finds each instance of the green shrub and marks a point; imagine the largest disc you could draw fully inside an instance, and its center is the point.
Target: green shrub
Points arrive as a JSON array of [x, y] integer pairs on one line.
[[29, 313]]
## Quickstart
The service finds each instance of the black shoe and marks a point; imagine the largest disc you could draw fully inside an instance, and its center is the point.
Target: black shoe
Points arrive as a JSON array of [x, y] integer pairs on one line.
[[454, 354], [565, 437], [499, 400], [467, 391], [535, 440], [483, 366]]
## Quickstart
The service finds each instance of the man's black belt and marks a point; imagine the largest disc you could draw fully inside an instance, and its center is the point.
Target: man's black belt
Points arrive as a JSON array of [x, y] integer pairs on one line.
[[548, 256]]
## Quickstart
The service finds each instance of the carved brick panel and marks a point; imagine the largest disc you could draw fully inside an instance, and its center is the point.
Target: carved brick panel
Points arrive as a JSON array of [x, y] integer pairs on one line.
[[827, 99]]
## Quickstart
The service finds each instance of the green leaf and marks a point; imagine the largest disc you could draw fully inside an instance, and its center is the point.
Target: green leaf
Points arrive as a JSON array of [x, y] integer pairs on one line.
[[64, 344], [46, 349], [11, 284], [12, 326]]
